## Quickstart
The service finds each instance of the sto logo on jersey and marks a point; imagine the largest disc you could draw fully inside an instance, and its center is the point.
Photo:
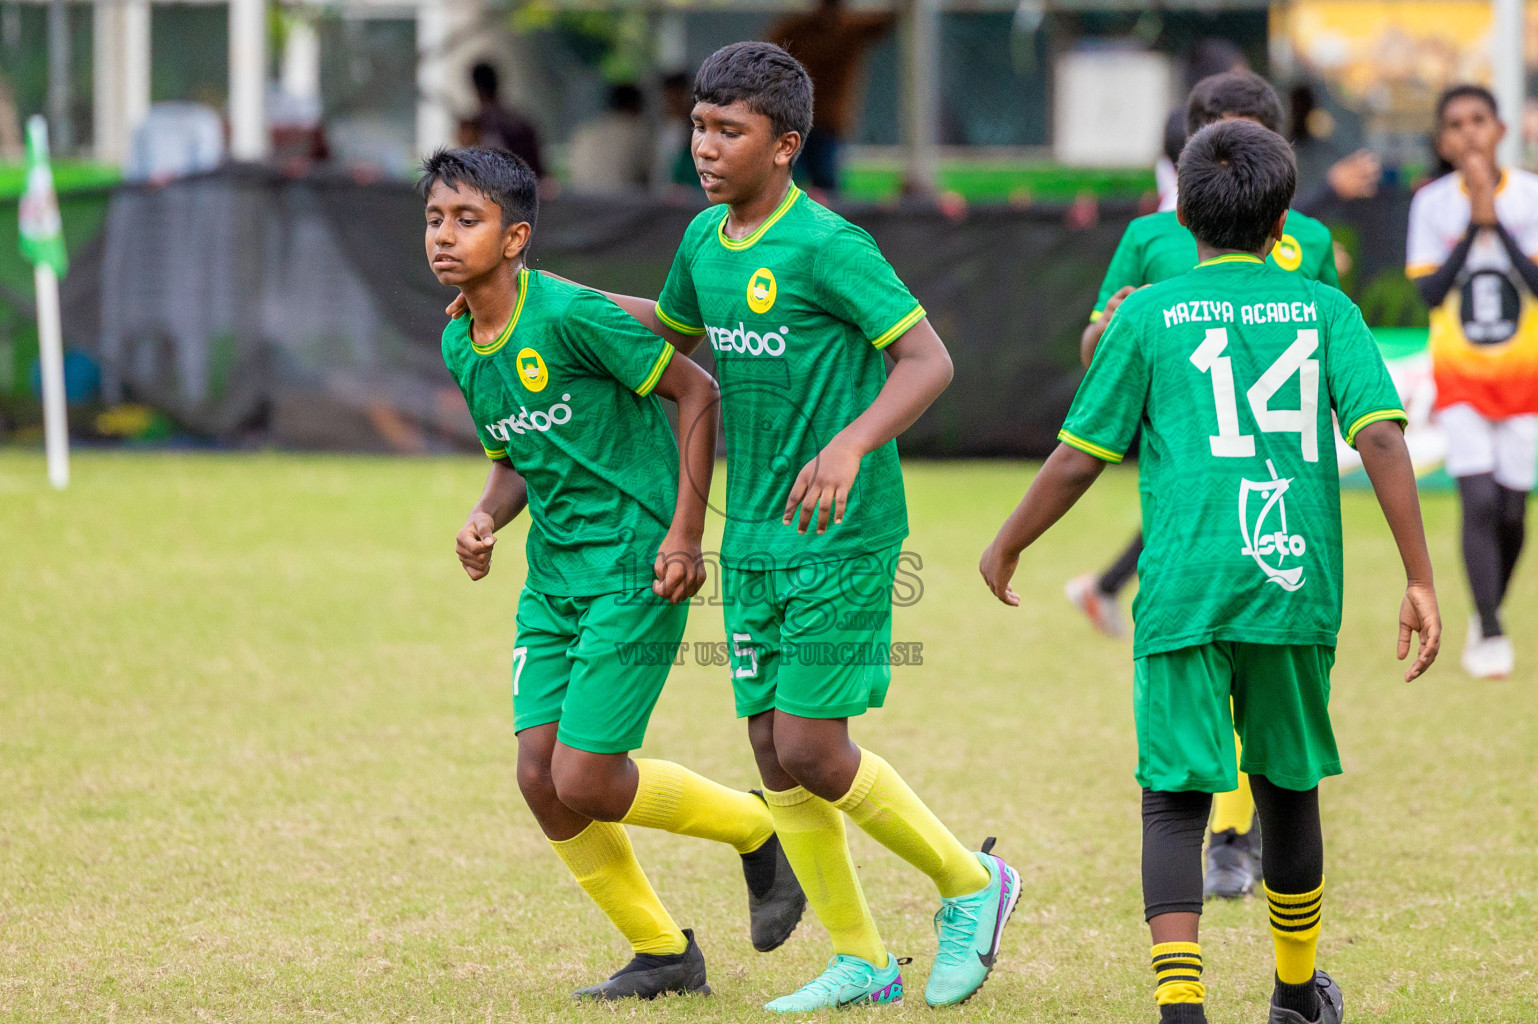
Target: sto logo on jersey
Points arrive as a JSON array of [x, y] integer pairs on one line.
[[532, 373], [761, 290], [1265, 536], [1288, 253]]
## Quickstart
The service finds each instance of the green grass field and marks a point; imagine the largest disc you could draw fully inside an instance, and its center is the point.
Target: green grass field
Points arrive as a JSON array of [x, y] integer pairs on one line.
[[256, 764]]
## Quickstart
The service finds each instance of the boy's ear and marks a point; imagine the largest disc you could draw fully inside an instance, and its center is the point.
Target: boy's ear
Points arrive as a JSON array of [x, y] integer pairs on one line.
[[1279, 228], [786, 147], [515, 239], [1180, 216]]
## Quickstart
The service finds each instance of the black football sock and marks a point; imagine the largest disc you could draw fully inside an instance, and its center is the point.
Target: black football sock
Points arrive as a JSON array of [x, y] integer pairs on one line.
[[1512, 519], [1123, 569], [1480, 497]]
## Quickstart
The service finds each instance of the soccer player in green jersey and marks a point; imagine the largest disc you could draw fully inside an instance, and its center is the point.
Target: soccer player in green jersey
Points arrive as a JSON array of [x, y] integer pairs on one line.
[[1233, 370], [563, 388], [1156, 248], [799, 306]]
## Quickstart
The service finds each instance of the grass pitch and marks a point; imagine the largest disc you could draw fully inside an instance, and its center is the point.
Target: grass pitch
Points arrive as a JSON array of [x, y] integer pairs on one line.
[[256, 764]]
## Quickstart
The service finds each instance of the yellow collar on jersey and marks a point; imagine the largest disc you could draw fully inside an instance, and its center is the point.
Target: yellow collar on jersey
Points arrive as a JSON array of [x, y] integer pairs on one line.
[[507, 332], [1231, 257], [738, 244], [1500, 183]]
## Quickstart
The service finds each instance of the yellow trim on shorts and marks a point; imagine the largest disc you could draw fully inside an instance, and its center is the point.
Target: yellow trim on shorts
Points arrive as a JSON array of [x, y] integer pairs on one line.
[[675, 323], [1088, 447], [1374, 417], [898, 329], [500, 453], [656, 374]]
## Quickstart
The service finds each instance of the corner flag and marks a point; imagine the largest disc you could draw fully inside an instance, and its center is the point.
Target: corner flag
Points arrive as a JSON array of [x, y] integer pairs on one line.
[[42, 242], [42, 232]]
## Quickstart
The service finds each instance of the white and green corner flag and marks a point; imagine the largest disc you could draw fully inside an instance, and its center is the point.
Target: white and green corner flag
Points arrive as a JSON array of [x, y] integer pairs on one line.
[[42, 232], [42, 242]]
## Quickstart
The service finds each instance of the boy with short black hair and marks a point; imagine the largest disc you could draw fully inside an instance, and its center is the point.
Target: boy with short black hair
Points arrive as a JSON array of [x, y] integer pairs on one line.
[[562, 385], [1156, 248], [799, 306], [1237, 615], [1471, 248]]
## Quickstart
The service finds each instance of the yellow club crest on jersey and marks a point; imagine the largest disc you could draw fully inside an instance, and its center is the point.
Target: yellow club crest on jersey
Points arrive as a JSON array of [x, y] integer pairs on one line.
[[761, 290], [1288, 253], [531, 370]]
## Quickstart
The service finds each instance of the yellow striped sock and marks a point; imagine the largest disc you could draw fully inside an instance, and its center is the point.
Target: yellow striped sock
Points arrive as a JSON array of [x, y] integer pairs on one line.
[[1178, 968], [601, 858], [1295, 930], [670, 797]]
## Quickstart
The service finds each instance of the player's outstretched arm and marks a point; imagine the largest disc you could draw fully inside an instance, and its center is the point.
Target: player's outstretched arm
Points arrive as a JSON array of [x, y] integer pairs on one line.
[[1090, 339], [504, 497], [923, 370], [1064, 477], [680, 565], [1387, 462], [644, 310]]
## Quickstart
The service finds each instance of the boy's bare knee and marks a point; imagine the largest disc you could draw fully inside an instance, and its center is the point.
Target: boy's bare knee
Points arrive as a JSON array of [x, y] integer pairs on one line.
[[535, 781], [593, 785]]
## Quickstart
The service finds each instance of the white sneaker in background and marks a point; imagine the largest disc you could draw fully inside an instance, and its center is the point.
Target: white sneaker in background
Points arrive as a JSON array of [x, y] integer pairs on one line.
[[1487, 657]]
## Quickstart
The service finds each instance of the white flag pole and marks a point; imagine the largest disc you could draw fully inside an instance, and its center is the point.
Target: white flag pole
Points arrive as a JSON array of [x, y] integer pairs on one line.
[[50, 344]]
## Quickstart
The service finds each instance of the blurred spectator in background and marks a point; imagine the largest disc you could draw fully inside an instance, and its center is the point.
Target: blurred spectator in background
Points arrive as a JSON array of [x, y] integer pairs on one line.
[[298, 134], [612, 152], [500, 127], [672, 169], [1472, 242], [831, 44], [174, 139], [1322, 178]]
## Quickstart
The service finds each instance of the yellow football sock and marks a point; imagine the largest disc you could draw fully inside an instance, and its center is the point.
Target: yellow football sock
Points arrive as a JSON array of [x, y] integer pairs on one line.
[[1236, 810], [1178, 967], [811, 831], [604, 864], [881, 803], [1295, 930], [672, 798]]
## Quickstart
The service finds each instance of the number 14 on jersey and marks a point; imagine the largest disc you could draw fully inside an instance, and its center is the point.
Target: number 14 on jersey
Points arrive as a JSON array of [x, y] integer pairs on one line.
[[1228, 442]]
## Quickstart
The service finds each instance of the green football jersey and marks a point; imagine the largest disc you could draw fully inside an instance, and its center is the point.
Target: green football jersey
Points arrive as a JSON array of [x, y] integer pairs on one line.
[[1157, 247], [1233, 370], [564, 393], [797, 315]]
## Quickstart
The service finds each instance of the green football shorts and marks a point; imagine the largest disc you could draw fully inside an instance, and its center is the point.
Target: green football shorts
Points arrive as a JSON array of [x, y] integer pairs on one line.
[[1280, 709], [594, 664], [814, 641]]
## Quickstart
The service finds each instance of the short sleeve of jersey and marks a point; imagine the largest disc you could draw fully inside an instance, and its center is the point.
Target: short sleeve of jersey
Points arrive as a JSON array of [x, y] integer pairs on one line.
[[1109, 405], [1126, 268], [855, 283], [1424, 252], [614, 342], [1361, 390], [679, 306]]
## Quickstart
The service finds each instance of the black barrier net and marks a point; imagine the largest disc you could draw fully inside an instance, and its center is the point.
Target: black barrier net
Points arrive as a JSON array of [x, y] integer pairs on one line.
[[260, 309]]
